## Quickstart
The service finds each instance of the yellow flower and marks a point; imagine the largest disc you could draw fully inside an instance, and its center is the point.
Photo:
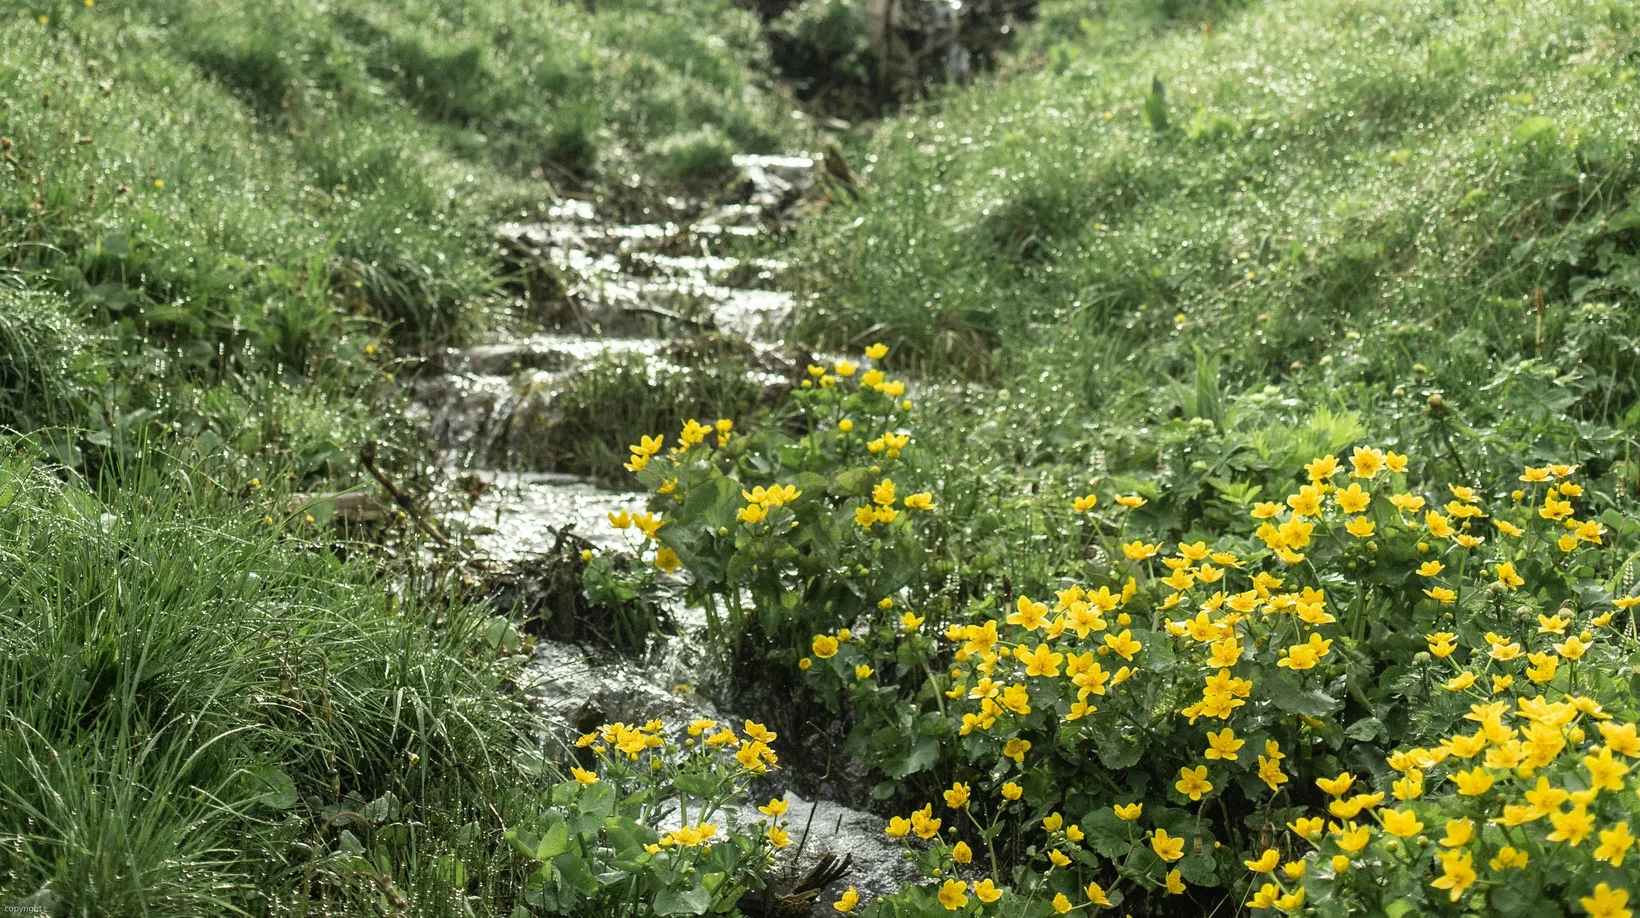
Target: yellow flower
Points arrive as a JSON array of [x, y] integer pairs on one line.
[[883, 493], [1139, 550], [1307, 827], [1269, 771], [1351, 837], [1039, 662], [847, 901], [923, 822], [1509, 857], [1058, 857], [824, 646], [583, 776], [910, 621], [898, 827], [1457, 873], [922, 500], [862, 672], [1028, 614], [1012, 791], [1223, 745], [1606, 902], [1353, 499], [1441, 595], [877, 351], [1016, 748], [1128, 812], [1322, 468], [667, 560], [1084, 503], [1622, 739], [1439, 526], [775, 807], [1175, 883], [1571, 826], [1193, 782], [1474, 782], [1402, 823], [1265, 862], [1360, 527], [1441, 643], [778, 837], [1166, 848], [957, 797], [1131, 501], [1459, 832], [953, 895], [1123, 644], [844, 368], [1061, 903], [1265, 897], [1614, 844], [1507, 576], [1096, 894], [1368, 462], [1543, 668], [986, 891], [1605, 773], [961, 853], [1336, 787]]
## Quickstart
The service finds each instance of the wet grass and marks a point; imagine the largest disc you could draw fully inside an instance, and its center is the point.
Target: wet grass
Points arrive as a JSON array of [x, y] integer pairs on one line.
[[1324, 194], [186, 699], [225, 232]]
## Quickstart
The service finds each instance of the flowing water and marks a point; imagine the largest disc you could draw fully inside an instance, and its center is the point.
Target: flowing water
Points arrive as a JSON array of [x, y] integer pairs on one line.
[[633, 291]]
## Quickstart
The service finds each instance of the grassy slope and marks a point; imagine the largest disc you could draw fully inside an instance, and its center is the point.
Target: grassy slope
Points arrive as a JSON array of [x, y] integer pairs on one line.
[[1410, 174], [221, 225], [1338, 235]]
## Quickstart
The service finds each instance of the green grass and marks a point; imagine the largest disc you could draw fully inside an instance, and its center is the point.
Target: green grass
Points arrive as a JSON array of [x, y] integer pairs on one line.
[[184, 695], [226, 231], [1412, 175], [303, 192], [1341, 232]]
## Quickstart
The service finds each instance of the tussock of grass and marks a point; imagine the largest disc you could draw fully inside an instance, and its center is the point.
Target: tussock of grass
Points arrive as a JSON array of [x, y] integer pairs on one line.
[[44, 356], [164, 670]]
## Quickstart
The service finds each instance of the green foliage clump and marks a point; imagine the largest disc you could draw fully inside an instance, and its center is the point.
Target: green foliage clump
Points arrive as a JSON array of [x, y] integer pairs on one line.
[[1165, 696], [594, 842], [45, 357], [182, 697]]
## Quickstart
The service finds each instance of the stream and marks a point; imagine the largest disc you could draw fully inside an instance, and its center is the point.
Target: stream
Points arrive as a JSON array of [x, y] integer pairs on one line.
[[634, 291]]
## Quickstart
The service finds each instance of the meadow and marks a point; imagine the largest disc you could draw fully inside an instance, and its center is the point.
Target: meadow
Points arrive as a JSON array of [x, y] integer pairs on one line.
[[1208, 484]]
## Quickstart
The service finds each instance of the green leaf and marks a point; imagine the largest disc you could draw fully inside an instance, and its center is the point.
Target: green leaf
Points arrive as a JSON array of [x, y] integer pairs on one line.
[[921, 758], [1107, 833], [1117, 751], [1399, 908], [274, 788], [1365, 729], [1295, 700], [575, 872], [554, 843], [1532, 127], [694, 901]]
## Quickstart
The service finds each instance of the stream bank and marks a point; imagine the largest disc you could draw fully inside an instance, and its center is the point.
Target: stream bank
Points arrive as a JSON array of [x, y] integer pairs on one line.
[[634, 313]]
